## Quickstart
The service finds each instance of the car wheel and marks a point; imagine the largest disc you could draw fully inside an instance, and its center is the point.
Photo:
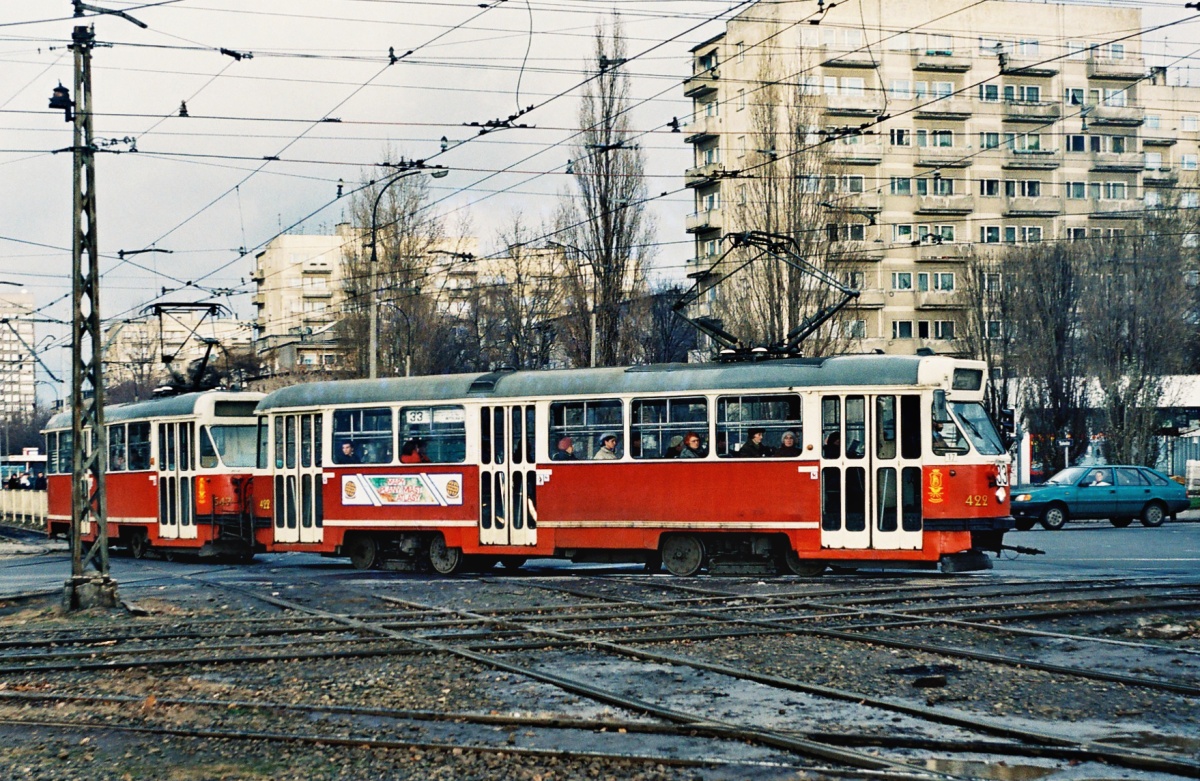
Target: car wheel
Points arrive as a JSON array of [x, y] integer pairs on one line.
[[1054, 517], [1120, 523], [1024, 524], [1153, 515]]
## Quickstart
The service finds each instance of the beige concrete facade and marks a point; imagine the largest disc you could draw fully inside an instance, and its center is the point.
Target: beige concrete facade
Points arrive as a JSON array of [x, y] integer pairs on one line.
[[16, 353], [135, 348], [985, 125]]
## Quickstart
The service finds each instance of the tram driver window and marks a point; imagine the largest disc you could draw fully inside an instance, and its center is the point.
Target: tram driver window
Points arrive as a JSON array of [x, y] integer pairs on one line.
[[139, 446], [435, 435], [362, 436], [777, 416], [660, 427], [576, 428], [945, 437], [117, 460]]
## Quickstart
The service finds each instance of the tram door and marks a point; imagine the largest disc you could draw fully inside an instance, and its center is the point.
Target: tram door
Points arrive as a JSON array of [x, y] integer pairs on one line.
[[176, 508], [871, 471], [298, 509], [507, 475]]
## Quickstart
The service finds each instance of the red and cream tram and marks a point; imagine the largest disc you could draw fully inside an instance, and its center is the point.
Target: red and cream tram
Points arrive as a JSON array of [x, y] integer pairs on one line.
[[860, 460], [179, 474]]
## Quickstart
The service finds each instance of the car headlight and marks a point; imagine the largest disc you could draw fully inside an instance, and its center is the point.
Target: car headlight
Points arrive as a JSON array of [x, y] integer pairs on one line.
[[1022, 497]]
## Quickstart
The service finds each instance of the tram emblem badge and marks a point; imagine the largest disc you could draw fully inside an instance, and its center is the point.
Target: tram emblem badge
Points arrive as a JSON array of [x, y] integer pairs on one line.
[[937, 487], [422, 489]]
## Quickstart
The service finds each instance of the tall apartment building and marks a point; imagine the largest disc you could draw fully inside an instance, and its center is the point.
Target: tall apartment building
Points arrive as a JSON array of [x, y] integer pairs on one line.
[[16, 353], [298, 299], [983, 124]]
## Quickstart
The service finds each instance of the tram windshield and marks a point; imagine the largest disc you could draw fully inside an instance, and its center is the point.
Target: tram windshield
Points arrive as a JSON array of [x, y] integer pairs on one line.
[[235, 445], [978, 427]]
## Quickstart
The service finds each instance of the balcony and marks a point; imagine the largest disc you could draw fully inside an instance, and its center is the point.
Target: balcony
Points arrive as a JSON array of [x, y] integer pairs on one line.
[[869, 299], [260, 299], [857, 252], [855, 154], [932, 251], [317, 292], [1124, 209], [854, 105], [1021, 65], [701, 84], [860, 203], [709, 219], [1128, 162], [1033, 206], [316, 267], [945, 204], [943, 157], [939, 299], [861, 58], [1031, 159], [1125, 69], [1160, 175], [1159, 140], [944, 108], [941, 62], [702, 128], [1031, 112], [702, 174], [1120, 116]]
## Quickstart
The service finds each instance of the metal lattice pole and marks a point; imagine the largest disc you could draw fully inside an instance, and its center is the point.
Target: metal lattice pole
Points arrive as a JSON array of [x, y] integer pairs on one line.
[[88, 505]]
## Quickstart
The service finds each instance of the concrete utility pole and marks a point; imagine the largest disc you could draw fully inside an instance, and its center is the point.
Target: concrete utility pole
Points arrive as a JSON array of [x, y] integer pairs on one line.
[[88, 498]]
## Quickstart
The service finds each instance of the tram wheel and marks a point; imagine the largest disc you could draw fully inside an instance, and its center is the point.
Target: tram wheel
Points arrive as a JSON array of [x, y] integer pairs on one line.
[[1024, 524], [139, 544], [362, 550], [683, 554], [805, 568], [654, 562], [444, 559]]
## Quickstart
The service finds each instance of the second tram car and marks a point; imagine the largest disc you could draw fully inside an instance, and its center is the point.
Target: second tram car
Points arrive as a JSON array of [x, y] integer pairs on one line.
[[857, 460], [179, 474]]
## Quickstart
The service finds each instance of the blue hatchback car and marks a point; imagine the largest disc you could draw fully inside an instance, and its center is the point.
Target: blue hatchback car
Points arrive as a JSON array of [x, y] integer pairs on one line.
[[1119, 493]]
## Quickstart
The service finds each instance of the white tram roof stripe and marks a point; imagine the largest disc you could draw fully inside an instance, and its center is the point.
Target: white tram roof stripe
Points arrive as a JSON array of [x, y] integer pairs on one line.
[[844, 371], [167, 407]]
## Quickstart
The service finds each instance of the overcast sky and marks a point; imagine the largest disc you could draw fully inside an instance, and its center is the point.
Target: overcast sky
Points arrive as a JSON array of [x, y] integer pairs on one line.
[[201, 187]]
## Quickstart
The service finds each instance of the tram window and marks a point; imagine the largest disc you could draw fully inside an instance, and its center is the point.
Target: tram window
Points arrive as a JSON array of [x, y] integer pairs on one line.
[[910, 499], [585, 422], [775, 415], [318, 452], [518, 436], [52, 454], [263, 439], [234, 409], [278, 422], [531, 500], [65, 464], [946, 438], [485, 435], [485, 500], [117, 460], [441, 430], [856, 499], [306, 447], [886, 490], [185, 446], [885, 427], [229, 445], [910, 426], [660, 425], [831, 499], [831, 427], [856, 427], [166, 443], [139, 446], [368, 432], [531, 433], [289, 442], [499, 439]]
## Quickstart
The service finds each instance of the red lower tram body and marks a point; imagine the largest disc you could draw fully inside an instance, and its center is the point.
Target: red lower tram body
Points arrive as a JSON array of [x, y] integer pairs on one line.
[[727, 514]]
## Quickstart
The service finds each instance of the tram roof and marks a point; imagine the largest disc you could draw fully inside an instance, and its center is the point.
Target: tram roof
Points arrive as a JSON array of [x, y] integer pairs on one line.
[[844, 370], [166, 407]]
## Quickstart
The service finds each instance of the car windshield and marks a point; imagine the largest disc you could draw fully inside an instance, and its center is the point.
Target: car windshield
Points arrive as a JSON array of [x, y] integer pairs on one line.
[[236, 445], [1068, 476], [979, 428]]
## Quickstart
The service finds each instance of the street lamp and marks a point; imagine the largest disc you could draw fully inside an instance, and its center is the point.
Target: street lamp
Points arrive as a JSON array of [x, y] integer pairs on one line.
[[407, 336], [373, 302], [592, 264]]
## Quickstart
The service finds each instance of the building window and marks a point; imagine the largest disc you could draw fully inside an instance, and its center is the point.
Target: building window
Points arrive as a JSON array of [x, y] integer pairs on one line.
[[989, 187], [900, 137], [989, 140], [989, 234], [901, 185], [1188, 122], [1076, 143], [1187, 162], [943, 329], [1073, 96], [994, 329], [989, 93], [902, 233], [902, 280], [940, 281], [902, 329], [900, 89], [1076, 190], [1076, 234]]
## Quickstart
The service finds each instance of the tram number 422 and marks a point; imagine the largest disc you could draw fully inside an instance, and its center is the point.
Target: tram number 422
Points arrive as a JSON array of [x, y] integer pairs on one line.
[[977, 500]]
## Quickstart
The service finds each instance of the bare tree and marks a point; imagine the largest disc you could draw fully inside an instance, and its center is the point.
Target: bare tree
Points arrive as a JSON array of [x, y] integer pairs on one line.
[[666, 338], [604, 217], [987, 319], [789, 185], [406, 235]]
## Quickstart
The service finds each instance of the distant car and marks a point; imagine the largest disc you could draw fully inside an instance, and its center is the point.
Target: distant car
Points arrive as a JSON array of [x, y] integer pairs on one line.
[[1119, 493]]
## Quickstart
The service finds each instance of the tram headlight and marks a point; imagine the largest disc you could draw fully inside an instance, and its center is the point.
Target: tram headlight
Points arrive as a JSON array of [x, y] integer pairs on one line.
[[1000, 495], [1022, 497]]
